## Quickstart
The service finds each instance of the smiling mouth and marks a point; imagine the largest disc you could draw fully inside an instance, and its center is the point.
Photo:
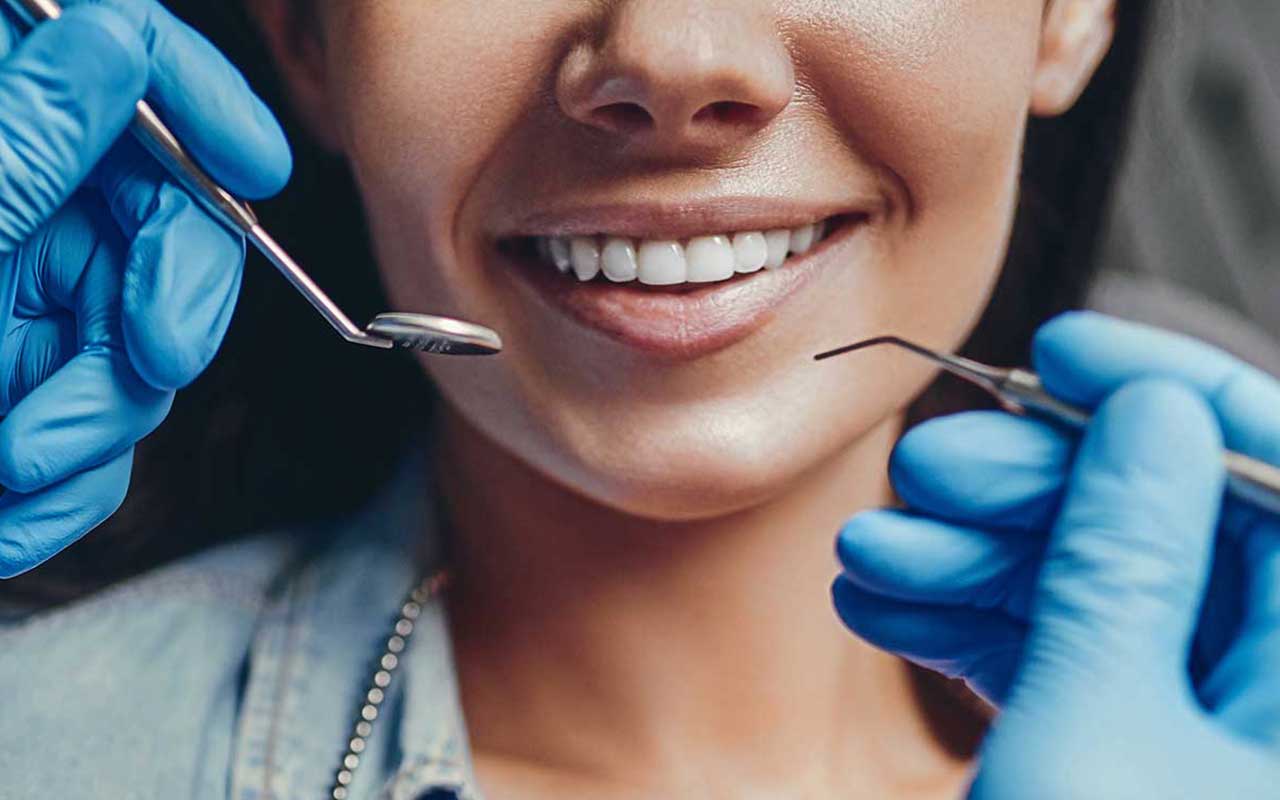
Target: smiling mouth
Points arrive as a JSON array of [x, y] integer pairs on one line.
[[671, 264], [656, 284]]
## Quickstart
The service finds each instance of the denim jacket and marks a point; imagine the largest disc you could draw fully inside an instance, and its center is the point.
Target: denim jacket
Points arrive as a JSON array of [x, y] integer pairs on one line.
[[238, 673]]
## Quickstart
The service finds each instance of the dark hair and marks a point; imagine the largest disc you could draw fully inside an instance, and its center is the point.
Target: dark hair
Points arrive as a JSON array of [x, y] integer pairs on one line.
[[271, 432]]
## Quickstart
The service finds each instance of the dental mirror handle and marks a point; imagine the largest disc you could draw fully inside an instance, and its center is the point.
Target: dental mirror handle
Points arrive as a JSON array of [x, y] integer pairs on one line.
[[164, 146], [160, 142]]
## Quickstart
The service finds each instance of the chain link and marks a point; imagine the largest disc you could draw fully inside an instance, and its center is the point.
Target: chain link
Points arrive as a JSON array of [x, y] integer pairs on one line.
[[410, 610]]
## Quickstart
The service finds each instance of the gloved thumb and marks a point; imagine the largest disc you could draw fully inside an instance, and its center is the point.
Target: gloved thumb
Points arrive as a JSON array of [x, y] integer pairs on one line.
[[66, 94], [1128, 558]]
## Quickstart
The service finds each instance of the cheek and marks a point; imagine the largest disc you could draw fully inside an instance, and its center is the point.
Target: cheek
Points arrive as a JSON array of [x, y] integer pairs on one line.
[[935, 94], [425, 92], [934, 90]]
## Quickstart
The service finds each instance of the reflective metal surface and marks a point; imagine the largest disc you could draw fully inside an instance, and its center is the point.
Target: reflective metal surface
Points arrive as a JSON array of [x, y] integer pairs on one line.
[[1020, 391], [430, 334]]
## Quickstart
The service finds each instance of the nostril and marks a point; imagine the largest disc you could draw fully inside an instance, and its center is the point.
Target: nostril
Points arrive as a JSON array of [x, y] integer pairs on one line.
[[623, 117], [728, 112]]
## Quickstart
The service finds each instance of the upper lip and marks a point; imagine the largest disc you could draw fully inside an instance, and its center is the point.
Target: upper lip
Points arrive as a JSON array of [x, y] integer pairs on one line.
[[678, 220]]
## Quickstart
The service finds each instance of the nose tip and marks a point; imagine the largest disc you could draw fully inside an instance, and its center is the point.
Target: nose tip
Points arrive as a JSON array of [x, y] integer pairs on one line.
[[678, 74]]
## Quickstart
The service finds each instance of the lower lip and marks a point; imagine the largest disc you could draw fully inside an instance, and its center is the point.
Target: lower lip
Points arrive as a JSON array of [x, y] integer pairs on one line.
[[686, 321]]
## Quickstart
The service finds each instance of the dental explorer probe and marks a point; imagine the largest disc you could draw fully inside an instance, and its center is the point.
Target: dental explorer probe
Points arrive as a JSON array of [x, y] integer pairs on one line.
[[430, 334], [1020, 391]]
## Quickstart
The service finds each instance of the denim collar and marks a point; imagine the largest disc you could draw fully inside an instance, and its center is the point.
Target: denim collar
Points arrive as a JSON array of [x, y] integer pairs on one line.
[[313, 656]]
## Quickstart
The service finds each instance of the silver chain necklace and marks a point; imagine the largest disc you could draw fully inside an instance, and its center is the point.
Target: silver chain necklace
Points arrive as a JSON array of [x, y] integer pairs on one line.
[[426, 589]]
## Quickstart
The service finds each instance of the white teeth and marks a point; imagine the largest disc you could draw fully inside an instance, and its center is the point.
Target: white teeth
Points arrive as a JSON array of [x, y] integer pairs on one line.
[[710, 259], [586, 257], [661, 264], [802, 239], [749, 251], [560, 256], [778, 243], [704, 259], [618, 260]]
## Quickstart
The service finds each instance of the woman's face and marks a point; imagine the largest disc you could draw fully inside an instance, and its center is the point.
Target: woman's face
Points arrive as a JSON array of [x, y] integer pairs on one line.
[[481, 132]]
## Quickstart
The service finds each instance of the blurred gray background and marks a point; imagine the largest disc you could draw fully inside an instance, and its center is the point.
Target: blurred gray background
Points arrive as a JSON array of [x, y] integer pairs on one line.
[[1194, 235]]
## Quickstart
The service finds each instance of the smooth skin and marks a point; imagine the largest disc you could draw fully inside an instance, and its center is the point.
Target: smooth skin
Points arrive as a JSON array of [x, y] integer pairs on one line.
[[115, 287]]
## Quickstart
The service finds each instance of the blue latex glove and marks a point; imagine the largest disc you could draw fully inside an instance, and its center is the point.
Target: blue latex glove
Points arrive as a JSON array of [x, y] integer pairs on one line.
[[115, 287], [1098, 591]]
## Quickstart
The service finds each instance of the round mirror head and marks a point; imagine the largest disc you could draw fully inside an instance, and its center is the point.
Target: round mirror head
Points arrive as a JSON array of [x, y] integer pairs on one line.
[[431, 334]]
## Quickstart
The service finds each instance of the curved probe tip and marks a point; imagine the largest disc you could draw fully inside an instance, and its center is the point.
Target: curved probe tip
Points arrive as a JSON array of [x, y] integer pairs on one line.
[[879, 340]]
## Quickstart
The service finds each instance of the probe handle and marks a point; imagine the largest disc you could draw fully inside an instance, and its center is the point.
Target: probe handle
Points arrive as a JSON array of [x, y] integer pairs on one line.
[[1256, 482]]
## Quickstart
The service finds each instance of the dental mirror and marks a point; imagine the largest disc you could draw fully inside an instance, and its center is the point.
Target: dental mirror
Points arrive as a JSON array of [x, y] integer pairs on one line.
[[439, 335], [422, 332]]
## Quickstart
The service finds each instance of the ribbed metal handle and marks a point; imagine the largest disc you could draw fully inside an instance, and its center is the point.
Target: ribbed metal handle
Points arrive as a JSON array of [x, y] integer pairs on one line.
[[1256, 482]]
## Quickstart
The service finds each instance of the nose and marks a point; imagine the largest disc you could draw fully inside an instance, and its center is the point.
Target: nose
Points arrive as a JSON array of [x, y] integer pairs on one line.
[[668, 76]]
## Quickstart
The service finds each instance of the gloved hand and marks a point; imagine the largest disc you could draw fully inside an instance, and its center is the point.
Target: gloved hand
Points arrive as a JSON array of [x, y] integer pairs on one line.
[[1126, 622], [115, 287]]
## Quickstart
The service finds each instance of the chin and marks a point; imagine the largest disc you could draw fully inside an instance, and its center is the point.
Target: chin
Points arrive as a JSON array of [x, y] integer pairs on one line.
[[684, 491], [693, 473]]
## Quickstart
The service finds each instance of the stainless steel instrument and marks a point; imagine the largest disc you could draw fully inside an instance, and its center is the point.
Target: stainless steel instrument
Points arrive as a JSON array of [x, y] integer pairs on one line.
[[422, 332], [1020, 391]]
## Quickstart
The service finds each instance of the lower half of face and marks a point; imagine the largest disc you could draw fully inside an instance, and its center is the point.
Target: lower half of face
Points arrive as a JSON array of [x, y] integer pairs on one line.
[[667, 207]]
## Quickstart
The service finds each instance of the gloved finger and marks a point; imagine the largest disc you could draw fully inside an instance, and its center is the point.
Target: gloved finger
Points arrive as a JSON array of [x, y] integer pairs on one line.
[[1128, 559], [66, 93], [982, 647], [1242, 691], [1083, 356], [51, 269], [39, 347], [95, 406], [93, 409], [182, 280], [71, 264], [907, 557], [985, 468], [36, 527], [208, 105], [182, 275]]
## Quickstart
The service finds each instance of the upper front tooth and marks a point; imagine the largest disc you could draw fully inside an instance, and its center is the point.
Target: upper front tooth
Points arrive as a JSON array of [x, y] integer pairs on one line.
[[802, 239], [586, 257], [618, 259], [709, 258], [749, 251], [661, 263], [778, 243], [560, 255]]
